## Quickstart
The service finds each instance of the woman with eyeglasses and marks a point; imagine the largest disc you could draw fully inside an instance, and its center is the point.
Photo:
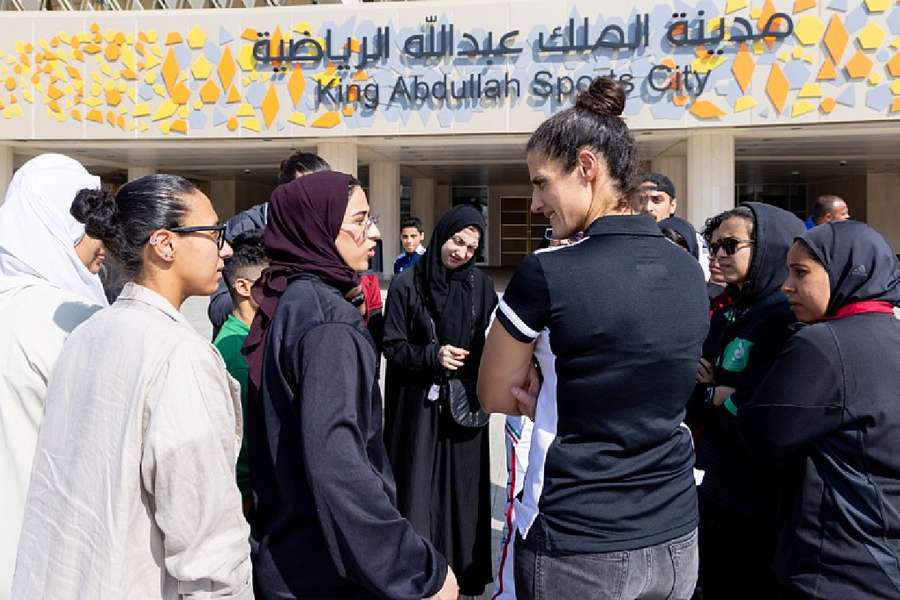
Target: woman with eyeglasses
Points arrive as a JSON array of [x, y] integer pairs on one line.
[[830, 403], [435, 320], [737, 496], [133, 491], [326, 523], [48, 286]]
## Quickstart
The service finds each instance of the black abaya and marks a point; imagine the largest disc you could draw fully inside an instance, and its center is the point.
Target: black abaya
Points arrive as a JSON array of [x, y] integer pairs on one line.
[[442, 470]]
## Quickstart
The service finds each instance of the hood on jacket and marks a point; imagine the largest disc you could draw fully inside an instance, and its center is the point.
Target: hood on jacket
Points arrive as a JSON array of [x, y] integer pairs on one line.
[[861, 265], [774, 230]]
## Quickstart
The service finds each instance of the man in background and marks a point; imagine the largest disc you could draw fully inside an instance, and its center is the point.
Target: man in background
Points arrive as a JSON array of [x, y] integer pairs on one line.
[[827, 208], [411, 238]]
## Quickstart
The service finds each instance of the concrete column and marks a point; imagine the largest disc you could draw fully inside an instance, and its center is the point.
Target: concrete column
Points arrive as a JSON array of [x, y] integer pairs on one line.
[[710, 175], [223, 194], [340, 154], [441, 202], [882, 205], [6, 170], [423, 189], [384, 201], [138, 172], [675, 168]]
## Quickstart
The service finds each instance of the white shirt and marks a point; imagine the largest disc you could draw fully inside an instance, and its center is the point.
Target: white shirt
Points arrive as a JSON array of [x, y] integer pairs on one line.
[[133, 491], [36, 321]]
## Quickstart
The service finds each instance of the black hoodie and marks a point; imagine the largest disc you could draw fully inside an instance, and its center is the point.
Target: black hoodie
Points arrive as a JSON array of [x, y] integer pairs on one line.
[[743, 340], [832, 402]]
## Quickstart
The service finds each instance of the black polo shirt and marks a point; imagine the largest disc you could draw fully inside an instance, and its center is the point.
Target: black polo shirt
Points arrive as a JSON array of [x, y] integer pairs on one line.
[[625, 314]]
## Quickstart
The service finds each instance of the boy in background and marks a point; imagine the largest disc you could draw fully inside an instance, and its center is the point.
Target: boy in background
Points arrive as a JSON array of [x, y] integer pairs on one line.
[[411, 238], [240, 273]]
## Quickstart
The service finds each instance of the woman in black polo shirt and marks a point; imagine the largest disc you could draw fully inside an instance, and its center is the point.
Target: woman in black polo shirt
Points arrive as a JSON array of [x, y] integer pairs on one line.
[[609, 508]]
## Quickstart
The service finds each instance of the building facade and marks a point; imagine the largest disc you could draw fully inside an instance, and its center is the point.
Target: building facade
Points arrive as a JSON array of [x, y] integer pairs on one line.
[[431, 103]]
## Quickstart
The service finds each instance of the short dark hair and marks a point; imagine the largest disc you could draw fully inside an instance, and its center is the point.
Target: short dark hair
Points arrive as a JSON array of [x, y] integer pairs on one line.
[[248, 253], [595, 123], [302, 163], [823, 205], [411, 222], [124, 222], [738, 212]]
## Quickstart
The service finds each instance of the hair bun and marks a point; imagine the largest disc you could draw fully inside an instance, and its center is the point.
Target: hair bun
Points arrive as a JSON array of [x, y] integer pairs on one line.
[[97, 210], [605, 97]]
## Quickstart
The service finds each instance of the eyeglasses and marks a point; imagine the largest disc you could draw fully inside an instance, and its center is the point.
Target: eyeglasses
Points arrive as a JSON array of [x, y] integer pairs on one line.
[[217, 230], [728, 244], [369, 223]]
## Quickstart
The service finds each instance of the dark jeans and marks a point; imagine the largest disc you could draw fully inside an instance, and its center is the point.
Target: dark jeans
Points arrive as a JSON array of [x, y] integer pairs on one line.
[[662, 572]]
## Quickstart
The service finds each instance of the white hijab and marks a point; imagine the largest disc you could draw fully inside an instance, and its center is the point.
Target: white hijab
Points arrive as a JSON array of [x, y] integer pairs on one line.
[[38, 233]]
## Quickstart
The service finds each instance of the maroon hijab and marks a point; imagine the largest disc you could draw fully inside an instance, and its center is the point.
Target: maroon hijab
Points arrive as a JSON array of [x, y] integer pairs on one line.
[[304, 219]]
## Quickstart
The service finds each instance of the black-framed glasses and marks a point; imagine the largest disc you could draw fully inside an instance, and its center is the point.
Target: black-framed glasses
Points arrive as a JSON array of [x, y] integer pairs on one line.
[[218, 230], [728, 244]]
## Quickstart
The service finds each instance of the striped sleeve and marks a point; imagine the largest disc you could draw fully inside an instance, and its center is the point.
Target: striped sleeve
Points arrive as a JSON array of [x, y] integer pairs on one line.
[[525, 307]]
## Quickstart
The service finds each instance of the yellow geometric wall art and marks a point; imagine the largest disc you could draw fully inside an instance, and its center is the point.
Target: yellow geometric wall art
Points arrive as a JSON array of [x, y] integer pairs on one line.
[[210, 92], [196, 37], [828, 72], [777, 87], [801, 107], [734, 6], [226, 68], [744, 103], [858, 66], [327, 120], [810, 90], [704, 109], [165, 110], [836, 38], [270, 106], [296, 84], [893, 65], [202, 68], [170, 70], [809, 29], [874, 6], [871, 36]]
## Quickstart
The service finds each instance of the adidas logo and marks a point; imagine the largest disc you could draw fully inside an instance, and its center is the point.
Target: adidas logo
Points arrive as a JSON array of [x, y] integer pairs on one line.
[[859, 271]]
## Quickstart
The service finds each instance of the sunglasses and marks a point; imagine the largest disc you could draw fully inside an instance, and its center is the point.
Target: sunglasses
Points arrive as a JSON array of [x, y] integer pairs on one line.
[[217, 230], [728, 244]]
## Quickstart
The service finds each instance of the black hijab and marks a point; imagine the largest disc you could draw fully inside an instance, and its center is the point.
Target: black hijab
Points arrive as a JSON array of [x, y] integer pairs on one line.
[[861, 265], [686, 230], [305, 218], [449, 294], [774, 232]]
